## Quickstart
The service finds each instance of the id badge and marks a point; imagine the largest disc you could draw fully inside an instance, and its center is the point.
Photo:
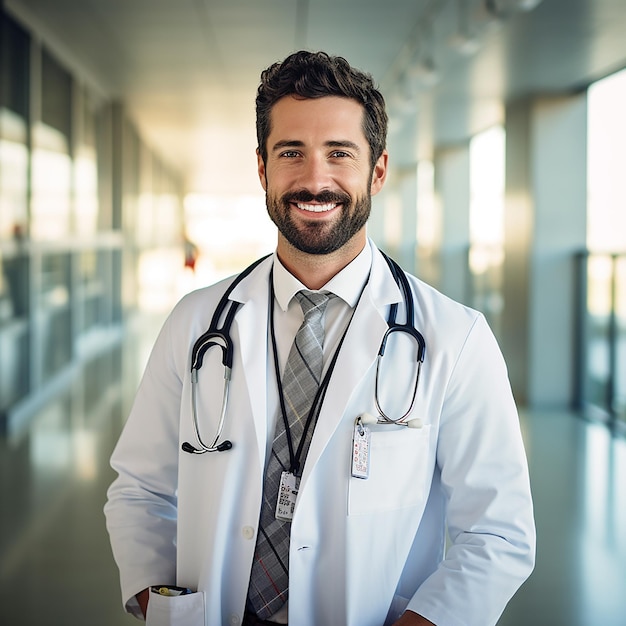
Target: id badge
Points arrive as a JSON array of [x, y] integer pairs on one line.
[[361, 450], [287, 493]]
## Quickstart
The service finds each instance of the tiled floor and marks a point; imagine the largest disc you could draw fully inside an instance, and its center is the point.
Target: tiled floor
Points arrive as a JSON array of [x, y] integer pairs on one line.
[[56, 566], [578, 473]]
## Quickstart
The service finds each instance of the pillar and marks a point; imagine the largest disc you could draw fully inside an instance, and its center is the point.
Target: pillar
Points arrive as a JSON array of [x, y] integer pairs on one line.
[[545, 226]]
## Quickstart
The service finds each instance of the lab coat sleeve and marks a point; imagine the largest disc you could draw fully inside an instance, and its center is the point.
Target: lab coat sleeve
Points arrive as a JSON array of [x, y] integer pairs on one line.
[[484, 477], [141, 511]]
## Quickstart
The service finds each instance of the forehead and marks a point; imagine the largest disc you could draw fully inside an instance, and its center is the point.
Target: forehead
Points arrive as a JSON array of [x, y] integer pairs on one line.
[[310, 119]]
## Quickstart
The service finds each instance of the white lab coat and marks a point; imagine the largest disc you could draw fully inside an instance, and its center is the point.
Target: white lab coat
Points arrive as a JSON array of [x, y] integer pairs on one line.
[[361, 550]]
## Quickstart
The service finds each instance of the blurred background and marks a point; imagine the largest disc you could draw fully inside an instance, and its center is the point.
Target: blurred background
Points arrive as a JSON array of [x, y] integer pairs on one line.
[[128, 178]]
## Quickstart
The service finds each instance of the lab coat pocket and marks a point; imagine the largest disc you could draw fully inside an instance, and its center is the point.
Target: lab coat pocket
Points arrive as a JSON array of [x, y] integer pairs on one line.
[[187, 610], [398, 467]]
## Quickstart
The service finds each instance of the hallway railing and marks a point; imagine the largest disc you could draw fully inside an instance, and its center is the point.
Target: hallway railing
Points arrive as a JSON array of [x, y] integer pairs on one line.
[[601, 362]]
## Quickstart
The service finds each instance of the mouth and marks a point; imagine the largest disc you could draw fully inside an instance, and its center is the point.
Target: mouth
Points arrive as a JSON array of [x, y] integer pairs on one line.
[[317, 208]]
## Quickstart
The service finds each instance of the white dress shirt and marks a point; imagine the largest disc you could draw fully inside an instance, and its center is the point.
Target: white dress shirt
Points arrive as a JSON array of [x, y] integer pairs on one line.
[[347, 286]]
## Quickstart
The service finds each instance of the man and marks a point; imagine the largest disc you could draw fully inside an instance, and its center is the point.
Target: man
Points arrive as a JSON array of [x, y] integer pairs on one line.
[[357, 535]]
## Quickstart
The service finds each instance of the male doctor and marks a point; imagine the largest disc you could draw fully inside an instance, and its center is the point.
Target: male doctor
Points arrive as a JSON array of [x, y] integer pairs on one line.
[[357, 536]]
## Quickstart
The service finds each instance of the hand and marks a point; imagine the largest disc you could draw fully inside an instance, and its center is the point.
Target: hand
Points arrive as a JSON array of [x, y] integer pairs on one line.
[[409, 618], [142, 598]]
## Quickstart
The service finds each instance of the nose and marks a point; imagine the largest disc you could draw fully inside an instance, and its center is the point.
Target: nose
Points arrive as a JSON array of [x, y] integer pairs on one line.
[[315, 174]]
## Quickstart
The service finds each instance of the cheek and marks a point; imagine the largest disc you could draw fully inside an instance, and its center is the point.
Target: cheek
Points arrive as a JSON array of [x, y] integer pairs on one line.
[[275, 180]]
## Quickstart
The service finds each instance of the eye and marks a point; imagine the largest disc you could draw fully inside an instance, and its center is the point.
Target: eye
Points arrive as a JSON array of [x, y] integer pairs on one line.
[[289, 154], [339, 154]]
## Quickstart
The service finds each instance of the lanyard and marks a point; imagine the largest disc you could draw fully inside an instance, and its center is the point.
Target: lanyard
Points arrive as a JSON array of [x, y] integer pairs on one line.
[[295, 459]]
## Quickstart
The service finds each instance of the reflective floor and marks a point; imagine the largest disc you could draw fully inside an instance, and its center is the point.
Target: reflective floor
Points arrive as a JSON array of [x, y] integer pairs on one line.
[[56, 566]]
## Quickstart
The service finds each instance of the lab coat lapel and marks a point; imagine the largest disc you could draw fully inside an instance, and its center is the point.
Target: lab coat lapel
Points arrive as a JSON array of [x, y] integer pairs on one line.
[[357, 355], [251, 326]]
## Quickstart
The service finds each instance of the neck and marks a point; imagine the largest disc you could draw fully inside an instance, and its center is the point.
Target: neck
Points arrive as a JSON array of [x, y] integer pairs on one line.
[[315, 270]]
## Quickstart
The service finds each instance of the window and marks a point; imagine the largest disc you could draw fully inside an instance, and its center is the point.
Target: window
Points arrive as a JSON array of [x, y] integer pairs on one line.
[[486, 255], [51, 161], [605, 367]]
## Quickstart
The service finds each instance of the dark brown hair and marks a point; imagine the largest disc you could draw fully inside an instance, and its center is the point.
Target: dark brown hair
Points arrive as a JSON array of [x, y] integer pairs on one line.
[[315, 75]]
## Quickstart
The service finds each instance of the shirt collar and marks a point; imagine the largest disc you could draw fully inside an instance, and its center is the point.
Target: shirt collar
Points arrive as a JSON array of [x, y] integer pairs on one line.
[[347, 284]]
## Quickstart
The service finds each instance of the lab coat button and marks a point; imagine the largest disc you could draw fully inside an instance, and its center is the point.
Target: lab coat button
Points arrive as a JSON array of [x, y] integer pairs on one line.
[[247, 532], [234, 620]]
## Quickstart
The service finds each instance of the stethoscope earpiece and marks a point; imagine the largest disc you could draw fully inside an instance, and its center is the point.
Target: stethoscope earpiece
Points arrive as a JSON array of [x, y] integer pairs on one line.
[[367, 418]]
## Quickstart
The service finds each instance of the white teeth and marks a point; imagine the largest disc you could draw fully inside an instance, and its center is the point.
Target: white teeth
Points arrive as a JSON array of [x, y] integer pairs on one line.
[[316, 208]]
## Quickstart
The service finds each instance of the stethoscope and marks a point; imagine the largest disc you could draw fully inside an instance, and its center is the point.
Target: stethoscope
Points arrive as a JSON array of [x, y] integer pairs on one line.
[[219, 336]]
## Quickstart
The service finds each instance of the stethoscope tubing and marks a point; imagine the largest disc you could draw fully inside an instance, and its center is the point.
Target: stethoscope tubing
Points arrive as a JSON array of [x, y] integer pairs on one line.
[[220, 337], [214, 447], [212, 337], [395, 327]]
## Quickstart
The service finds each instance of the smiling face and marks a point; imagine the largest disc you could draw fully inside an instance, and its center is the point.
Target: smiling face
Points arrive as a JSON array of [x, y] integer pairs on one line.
[[318, 177]]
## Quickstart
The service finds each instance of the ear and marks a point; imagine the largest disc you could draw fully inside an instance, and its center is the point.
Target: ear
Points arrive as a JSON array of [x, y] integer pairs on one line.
[[380, 173], [261, 170]]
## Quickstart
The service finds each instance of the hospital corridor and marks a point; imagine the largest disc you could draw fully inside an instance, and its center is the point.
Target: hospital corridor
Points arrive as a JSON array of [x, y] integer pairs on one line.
[[128, 178], [57, 566]]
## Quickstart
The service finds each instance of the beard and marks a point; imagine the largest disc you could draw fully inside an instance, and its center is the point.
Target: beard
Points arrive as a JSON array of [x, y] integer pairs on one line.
[[316, 236]]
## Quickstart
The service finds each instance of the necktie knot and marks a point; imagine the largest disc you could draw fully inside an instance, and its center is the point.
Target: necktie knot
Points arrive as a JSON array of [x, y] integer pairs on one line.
[[313, 303]]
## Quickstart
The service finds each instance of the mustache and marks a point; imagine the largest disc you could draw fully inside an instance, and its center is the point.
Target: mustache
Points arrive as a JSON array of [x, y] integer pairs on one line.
[[324, 197]]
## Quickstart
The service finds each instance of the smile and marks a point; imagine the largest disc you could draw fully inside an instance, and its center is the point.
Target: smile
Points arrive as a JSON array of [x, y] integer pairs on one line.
[[317, 208]]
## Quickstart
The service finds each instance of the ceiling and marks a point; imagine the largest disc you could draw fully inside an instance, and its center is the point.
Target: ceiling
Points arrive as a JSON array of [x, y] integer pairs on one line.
[[187, 70]]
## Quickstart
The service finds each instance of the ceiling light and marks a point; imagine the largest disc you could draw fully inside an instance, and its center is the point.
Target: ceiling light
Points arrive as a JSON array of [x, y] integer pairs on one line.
[[464, 44], [423, 68], [424, 71], [463, 40], [527, 5]]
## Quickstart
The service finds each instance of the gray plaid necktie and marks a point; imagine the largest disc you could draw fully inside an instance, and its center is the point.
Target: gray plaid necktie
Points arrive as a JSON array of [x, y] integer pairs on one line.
[[269, 581]]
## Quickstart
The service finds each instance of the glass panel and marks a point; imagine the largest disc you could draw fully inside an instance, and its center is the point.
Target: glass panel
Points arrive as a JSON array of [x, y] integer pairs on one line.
[[86, 191], [104, 161], [92, 290], [598, 367], [54, 313], [51, 180], [14, 336], [86, 172], [486, 255], [131, 163], [57, 342], [51, 162], [606, 235], [116, 286], [606, 224], [14, 381], [14, 282], [56, 95], [13, 176], [620, 313], [14, 66], [14, 264]]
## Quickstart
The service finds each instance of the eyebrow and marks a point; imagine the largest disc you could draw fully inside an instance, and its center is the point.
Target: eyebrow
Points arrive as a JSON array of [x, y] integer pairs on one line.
[[287, 143], [343, 144], [295, 143]]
